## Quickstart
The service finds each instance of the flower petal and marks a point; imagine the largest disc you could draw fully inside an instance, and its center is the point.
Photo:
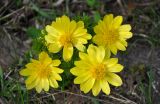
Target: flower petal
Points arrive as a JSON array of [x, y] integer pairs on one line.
[[52, 31], [96, 88], [113, 79], [53, 83], [82, 78], [66, 22], [57, 70], [107, 53], [112, 61], [120, 46], [117, 22], [39, 87], [100, 54], [56, 62], [108, 19], [80, 24], [83, 64], [46, 84], [105, 86], [125, 35], [55, 47], [79, 32], [115, 68], [42, 83], [25, 72], [56, 76], [87, 36], [44, 58], [50, 39], [113, 49], [80, 47], [125, 28], [86, 86], [124, 43], [30, 79], [97, 30], [92, 52], [33, 84], [67, 52], [72, 26], [77, 71], [83, 56]]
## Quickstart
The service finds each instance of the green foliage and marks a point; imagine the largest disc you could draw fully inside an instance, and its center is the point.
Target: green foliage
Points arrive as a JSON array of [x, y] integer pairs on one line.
[[37, 36], [13, 91], [85, 18], [94, 4], [67, 77], [149, 21], [91, 3], [41, 12], [97, 17], [33, 32], [94, 101], [1, 78], [18, 2], [147, 89], [37, 45], [89, 22]]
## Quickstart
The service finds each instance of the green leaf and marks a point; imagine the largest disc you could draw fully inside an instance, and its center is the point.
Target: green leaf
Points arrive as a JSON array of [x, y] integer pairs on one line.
[[97, 17], [1, 79], [95, 101], [37, 45], [1, 72], [18, 2], [40, 11], [91, 3], [33, 32]]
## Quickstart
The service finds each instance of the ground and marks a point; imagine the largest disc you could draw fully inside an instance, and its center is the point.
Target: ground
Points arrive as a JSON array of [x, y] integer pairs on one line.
[[141, 75]]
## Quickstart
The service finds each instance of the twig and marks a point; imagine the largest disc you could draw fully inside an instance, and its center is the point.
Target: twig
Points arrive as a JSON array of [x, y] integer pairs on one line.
[[120, 96], [67, 92], [8, 15], [9, 36], [8, 74], [141, 35], [59, 2], [1, 102], [147, 3], [121, 6], [126, 101]]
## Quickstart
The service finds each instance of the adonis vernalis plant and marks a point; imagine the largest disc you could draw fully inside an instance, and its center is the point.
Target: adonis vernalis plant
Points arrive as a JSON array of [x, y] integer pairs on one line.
[[95, 70], [42, 73], [111, 34], [66, 34]]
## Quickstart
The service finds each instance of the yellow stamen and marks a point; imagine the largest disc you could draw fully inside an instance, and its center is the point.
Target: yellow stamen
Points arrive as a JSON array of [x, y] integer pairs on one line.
[[45, 71], [65, 39], [110, 37], [99, 71]]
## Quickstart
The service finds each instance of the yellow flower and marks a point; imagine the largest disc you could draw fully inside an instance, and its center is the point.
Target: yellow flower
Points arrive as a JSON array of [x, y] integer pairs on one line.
[[111, 34], [66, 34], [42, 73], [94, 71]]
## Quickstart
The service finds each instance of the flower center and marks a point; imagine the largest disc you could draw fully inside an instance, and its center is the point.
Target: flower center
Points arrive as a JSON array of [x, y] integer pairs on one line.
[[44, 71], [64, 39], [99, 71], [110, 37]]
